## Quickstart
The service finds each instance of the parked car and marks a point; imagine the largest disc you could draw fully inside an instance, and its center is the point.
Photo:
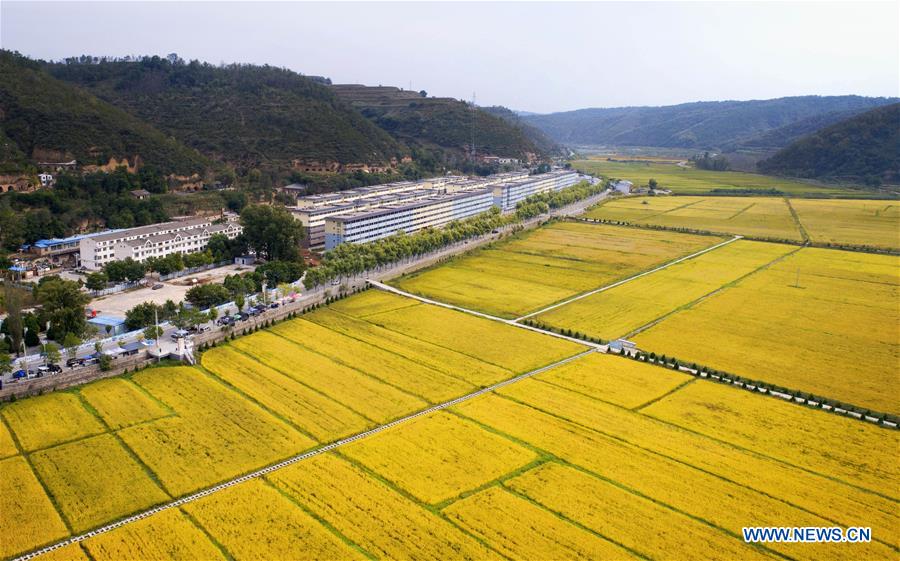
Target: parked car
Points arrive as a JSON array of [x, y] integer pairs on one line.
[[19, 374], [273, 305], [244, 316], [226, 320], [179, 334], [253, 311], [157, 286], [32, 374], [75, 362], [55, 368]]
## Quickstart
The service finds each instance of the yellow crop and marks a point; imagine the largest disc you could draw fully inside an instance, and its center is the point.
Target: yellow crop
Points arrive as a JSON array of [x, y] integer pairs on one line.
[[254, 521], [633, 521], [821, 321], [398, 371], [120, 403], [165, 535], [95, 481], [873, 223], [438, 457], [821, 494], [320, 416], [27, 517], [372, 302], [364, 394], [71, 552], [618, 311], [861, 454], [509, 347], [761, 217], [50, 419], [546, 265], [439, 358], [520, 530], [218, 434], [609, 378], [7, 446], [666, 481], [373, 516]]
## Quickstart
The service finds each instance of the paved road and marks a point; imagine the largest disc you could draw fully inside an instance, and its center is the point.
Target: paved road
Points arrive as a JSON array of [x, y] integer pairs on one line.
[[294, 459], [353, 282]]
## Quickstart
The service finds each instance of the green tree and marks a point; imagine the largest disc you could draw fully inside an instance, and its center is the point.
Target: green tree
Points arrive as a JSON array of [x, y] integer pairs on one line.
[[31, 338], [62, 304], [71, 343], [126, 269], [96, 281], [14, 324], [272, 232], [51, 353], [207, 295], [6, 362], [152, 332], [239, 302], [652, 183]]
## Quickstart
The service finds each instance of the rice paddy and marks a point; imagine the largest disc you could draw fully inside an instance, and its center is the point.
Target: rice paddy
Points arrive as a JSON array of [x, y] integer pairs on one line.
[[535, 269]]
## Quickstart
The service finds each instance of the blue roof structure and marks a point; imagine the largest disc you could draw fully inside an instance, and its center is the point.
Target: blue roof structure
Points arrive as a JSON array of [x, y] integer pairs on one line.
[[51, 242], [106, 320]]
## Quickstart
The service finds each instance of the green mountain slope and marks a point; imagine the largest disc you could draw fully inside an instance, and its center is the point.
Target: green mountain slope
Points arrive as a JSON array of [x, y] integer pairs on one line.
[[702, 125], [42, 118], [442, 123], [249, 116], [540, 139], [866, 147]]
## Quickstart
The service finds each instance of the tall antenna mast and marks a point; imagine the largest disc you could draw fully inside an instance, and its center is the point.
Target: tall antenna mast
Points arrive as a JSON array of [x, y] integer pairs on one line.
[[474, 111]]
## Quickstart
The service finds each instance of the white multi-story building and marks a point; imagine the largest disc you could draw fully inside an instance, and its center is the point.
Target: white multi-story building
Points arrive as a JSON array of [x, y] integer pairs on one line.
[[434, 212], [157, 240], [508, 194], [313, 211]]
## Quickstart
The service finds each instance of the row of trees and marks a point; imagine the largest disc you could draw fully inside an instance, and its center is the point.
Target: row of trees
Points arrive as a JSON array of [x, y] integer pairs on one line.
[[351, 259]]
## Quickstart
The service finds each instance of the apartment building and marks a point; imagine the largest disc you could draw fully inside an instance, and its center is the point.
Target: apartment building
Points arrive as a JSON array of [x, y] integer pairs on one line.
[[157, 240], [508, 194], [312, 211], [433, 212]]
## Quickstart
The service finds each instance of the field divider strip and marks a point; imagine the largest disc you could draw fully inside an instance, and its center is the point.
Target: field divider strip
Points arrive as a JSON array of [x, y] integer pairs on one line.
[[708, 295], [629, 279], [512, 322], [294, 459], [803, 233]]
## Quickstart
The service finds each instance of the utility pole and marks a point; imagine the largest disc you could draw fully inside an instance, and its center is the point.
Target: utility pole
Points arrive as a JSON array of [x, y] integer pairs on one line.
[[156, 333]]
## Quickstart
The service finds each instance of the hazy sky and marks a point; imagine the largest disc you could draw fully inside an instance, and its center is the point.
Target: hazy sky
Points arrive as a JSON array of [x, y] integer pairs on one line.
[[529, 56]]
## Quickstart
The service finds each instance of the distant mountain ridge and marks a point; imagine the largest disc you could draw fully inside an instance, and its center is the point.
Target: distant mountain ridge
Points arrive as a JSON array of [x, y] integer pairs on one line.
[[864, 147], [714, 125]]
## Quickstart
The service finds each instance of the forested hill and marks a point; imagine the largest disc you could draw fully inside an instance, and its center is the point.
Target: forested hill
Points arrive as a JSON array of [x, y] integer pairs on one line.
[[540, 139], [720, 125], [45, 119], [865, 147], [444, 124], [248, 116]]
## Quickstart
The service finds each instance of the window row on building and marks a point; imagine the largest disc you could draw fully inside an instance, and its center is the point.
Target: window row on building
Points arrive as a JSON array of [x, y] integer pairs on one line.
[[157, 240]]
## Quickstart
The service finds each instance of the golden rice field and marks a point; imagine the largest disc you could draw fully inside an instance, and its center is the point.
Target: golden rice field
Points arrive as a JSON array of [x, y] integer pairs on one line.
[[77, 459], [543, 266], [760, 217], [871, 223], [599, 458], [423, 456], [626, 308], [820, 321], [692, 181]]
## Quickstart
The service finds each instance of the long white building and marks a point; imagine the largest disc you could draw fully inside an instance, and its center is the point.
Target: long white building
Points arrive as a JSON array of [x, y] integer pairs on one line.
[[468, 199], [508, 194], [157, 240], [371, 225], [312, 211]]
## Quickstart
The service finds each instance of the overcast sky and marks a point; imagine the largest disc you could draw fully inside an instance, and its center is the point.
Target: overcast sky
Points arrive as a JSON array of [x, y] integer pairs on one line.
[[534, 56]]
